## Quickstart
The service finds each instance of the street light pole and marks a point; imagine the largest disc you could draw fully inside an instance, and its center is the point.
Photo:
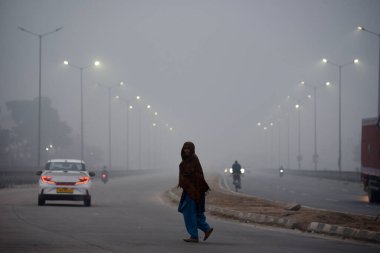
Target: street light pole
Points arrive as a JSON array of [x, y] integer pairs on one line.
[[279, 143], [109, 128], [299, 156], [288, 134], [315, 155], [340, 66], [271, 145], [340, 120], [140, 112], [109, 88], [298, 107], [81, 116], [149, 151], [288, 140], [378, 35], [39, 36], [129, 107], [155, 140], [96, 63]]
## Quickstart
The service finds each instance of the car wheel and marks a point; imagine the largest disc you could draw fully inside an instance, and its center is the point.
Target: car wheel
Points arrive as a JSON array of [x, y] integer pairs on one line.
[[87, 201], [372, 196], [377, 197], [41, 200]]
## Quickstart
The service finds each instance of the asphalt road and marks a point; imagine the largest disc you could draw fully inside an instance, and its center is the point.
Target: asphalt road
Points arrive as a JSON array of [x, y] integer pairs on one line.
[[314, 192], [128, 215]]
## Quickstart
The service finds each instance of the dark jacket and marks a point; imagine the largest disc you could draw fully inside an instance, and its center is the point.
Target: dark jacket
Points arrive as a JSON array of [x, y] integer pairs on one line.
[[236, 168], [191, 178]]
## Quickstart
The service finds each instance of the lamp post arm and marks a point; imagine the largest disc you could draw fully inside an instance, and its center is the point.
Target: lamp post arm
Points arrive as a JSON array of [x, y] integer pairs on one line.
[[78, 67], [39, 35], [27, 31], [55, 30], [366, 30]]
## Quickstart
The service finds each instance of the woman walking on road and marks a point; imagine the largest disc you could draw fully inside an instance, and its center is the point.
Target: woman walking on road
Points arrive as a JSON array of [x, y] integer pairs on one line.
[[192, 203]]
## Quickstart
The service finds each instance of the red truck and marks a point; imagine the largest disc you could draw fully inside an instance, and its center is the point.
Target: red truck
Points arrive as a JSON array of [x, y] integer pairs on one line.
[[370, 158]]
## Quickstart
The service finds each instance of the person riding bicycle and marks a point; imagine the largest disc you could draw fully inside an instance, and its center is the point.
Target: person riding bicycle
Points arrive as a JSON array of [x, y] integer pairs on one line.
[[236, 172]]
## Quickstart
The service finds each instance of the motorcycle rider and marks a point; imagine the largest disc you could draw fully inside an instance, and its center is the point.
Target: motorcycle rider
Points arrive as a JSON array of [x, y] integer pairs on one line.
[[104, 174], [236, 172], [281, 171]]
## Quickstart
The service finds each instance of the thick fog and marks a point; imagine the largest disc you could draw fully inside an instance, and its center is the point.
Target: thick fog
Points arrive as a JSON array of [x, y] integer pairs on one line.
[[211, 69]]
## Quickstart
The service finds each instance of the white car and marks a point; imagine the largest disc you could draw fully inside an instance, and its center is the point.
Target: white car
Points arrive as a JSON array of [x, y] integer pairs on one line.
[[65, 179]]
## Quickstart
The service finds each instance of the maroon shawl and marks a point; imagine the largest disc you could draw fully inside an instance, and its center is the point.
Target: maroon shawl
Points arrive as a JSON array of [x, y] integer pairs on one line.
[[191, 178]]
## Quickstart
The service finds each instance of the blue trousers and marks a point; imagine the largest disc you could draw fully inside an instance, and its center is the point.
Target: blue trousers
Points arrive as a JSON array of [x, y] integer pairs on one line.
[[194, 218]]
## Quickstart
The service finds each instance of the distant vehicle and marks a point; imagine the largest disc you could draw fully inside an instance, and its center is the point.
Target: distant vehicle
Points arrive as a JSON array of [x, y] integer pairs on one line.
[[236, 180], [230, 170], [104, 175], [370, 158], [65, 179], [281, 171]]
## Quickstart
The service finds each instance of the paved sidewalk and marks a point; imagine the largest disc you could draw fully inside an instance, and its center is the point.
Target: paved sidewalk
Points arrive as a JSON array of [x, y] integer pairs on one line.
[[223, 202]]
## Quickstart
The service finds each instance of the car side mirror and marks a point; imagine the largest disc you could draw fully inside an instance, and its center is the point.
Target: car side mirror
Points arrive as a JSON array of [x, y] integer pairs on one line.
[[38, 173], [92, 174]]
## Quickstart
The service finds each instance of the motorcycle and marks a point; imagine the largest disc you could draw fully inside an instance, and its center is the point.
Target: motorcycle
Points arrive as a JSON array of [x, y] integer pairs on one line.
[[281, 172], [237, 178], [104, 177], [237, 182]]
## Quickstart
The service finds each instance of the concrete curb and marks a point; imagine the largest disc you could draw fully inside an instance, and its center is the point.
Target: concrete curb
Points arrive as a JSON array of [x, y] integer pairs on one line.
[[245, 216], [253, 217], [314, 227], [345, 232]]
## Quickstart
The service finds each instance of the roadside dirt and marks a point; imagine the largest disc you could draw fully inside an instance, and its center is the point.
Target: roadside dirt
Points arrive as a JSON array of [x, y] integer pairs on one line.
[[303, 217]]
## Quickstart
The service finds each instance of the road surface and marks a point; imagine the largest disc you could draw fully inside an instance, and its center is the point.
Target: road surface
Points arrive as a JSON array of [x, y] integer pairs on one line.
[[314, 192], [128, 215]]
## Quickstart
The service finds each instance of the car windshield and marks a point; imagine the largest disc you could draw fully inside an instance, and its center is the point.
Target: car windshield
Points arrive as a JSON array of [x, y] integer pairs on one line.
[[66, 166]]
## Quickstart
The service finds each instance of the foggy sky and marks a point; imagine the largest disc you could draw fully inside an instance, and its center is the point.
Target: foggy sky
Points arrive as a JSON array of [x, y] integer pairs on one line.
[[211, 69]]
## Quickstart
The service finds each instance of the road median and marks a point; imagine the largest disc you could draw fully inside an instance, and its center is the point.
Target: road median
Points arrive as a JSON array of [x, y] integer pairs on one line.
[[250, 209]]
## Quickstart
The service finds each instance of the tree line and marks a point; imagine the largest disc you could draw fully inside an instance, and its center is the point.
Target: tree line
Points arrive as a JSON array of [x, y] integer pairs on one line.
[[19, 135]]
